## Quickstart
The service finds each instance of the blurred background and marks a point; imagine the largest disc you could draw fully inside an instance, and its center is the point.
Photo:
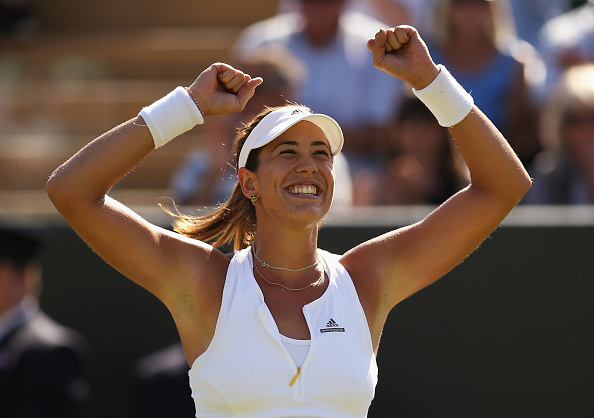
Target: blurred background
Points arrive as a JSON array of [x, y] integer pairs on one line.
[[509, 333]]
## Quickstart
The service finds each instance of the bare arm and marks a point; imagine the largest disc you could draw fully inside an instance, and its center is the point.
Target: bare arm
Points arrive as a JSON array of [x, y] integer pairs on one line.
[[151, 256], [395, 265]]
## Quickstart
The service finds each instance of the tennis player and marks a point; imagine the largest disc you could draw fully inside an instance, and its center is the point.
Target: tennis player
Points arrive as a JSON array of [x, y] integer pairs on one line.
[[281, 328]]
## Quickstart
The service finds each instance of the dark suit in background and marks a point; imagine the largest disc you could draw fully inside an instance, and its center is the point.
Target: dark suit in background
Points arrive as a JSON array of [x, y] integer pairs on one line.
[[162, 385], [42, 363]]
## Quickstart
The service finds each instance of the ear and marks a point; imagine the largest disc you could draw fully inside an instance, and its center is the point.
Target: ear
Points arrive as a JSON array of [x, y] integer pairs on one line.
[[247, 181]]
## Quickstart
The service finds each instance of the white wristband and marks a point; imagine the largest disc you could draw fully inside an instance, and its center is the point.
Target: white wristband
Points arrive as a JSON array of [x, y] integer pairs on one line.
[[171, 116], [446, 99]]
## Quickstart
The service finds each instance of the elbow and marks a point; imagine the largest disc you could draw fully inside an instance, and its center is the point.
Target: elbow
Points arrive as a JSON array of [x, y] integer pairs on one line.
[[70, 195], [524, 184], [506, 190], [58, 191], [517, 190], [528, 184], [54, 191]]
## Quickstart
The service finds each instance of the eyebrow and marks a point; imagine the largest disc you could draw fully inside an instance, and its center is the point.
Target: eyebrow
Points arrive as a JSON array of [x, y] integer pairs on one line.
[[294, 143]]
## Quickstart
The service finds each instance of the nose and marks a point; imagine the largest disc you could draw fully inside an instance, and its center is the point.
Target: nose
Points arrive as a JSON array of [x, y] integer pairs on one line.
[[307, 165]]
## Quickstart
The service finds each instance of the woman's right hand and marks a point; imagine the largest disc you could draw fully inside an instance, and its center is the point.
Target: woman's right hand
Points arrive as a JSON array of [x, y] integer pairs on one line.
[[223, 89]]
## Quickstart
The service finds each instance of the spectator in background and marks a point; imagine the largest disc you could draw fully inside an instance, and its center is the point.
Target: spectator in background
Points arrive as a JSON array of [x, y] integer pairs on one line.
[[42, 363], [396, 12], [17, 18], [564, 171], [475, 40], [391, 12], [161, 385], [341, 80], [567, 40], [205, 176], [530, 15], [423, 164]]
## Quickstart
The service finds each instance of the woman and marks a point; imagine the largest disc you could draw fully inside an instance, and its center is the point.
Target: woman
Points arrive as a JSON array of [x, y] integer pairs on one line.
[[564, 170], [475, 40], [281, 328]]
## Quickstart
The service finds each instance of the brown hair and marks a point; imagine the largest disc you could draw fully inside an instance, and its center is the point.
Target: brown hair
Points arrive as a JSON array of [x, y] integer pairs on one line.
[[234, 220], [499, 34], [575, 88]]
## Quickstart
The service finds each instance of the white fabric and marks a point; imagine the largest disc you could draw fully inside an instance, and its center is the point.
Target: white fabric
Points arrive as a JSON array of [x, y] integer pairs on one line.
[[446, 99], [278, 121], [246, 370], [171, 116], [298, 349]]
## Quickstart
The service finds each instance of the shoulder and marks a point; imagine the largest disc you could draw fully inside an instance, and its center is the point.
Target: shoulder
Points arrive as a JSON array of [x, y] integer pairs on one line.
[[572, 24], [360, 25], [47, 331], [275, 29], [41, 336]]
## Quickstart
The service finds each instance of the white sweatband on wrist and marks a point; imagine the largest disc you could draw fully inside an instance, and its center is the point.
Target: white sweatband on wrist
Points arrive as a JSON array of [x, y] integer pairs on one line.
[[446, 99], [171, 116]]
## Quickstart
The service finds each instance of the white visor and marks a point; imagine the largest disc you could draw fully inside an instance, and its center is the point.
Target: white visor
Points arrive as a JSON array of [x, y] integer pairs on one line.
[[278, 121]]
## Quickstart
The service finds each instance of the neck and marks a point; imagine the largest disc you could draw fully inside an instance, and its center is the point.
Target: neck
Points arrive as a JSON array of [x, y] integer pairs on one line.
[[289, 249]]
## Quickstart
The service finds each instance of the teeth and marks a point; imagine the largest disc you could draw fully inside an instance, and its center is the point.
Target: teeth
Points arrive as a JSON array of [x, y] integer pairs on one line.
[[304, 189]]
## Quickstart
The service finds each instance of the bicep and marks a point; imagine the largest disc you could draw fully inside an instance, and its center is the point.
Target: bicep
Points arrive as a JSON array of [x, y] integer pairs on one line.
[[408, 259]]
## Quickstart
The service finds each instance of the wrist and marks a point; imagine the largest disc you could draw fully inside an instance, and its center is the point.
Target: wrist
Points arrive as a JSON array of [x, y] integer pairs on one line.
[[426, 77], [195, 100], [171, 116], [446, 99]]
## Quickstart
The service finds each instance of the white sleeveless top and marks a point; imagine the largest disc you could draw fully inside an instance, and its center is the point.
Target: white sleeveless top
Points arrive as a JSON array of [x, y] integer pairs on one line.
[[247, 371]]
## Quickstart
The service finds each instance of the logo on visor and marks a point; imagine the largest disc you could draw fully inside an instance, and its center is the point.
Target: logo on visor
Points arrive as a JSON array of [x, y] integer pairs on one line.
[[294, 112]]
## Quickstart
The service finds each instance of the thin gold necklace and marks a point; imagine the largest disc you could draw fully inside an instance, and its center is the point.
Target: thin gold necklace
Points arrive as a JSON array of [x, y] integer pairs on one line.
[[265, 264], [285, 287]]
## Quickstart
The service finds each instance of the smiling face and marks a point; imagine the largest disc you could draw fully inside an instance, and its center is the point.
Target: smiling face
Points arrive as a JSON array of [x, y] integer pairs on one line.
[[294, 180]]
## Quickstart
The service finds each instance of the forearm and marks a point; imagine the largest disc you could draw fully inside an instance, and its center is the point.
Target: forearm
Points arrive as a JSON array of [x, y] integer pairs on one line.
[[89, 174], [493, 164], [96, 168]]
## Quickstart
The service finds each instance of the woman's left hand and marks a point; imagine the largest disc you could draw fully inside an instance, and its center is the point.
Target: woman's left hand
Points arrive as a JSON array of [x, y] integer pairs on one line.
[[402, 53]]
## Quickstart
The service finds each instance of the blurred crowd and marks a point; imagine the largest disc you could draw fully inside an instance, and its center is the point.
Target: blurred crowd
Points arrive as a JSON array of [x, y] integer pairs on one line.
[[529, 65]]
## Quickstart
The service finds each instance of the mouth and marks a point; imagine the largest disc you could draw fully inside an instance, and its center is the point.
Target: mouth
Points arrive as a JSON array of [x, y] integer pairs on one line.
[[303, 190]]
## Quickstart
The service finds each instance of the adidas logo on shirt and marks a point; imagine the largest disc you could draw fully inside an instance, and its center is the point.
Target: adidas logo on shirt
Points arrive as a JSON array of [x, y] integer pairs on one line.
[[332, 326]]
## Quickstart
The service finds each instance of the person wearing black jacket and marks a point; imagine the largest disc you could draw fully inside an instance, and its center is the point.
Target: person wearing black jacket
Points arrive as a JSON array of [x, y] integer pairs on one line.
[[42, 363]]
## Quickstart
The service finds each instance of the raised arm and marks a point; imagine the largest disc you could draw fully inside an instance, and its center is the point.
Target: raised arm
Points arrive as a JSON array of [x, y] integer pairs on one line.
[[151, 256], [393, 266]]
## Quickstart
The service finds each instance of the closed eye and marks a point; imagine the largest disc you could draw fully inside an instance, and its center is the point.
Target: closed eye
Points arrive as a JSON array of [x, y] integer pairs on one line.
[[323, 153]]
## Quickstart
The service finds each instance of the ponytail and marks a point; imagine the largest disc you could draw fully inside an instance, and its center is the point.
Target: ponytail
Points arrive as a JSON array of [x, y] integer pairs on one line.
[[234, 220]]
